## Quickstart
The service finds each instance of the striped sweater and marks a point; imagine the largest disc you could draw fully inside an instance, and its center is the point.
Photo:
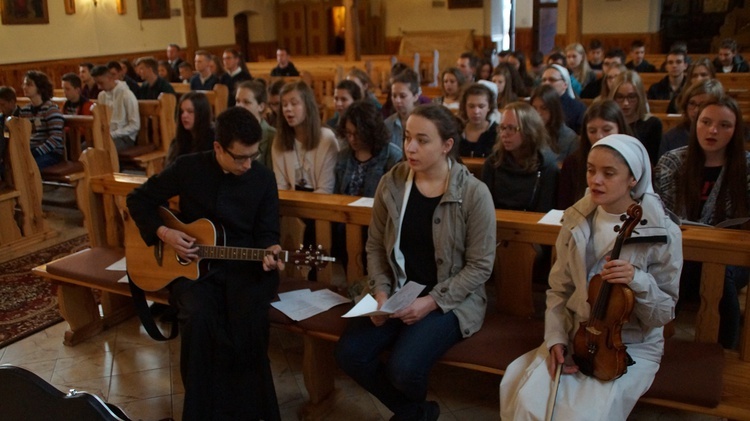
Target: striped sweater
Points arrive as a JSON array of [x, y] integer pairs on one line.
[[46, 128]]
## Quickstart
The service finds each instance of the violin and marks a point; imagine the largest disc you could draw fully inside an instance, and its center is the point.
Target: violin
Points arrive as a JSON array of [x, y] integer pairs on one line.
[[597, 347]]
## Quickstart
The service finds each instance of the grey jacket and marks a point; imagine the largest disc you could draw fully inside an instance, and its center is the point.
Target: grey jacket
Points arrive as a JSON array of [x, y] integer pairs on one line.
[[463, 234]]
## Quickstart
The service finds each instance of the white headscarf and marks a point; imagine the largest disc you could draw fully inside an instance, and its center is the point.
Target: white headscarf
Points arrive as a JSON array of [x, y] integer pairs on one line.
[[491, 86], [566, 77], [636, 157]]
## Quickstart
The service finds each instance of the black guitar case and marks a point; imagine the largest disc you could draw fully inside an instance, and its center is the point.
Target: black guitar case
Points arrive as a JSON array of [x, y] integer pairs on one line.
[[24, 396]]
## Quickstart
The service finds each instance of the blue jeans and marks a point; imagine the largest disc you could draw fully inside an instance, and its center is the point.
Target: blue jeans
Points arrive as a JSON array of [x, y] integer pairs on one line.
[[47, 160], [401, 382]]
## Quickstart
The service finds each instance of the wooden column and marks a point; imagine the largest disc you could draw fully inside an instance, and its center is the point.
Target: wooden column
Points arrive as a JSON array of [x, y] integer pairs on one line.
[[191, 29], [352, 41], [574, 23]]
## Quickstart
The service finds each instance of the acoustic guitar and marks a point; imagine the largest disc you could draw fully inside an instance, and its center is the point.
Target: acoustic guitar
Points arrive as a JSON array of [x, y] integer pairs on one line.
[[154, 267]]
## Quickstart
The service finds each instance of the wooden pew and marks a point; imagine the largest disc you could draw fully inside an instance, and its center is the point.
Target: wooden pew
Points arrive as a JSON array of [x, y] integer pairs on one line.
[[156, 134], [516, 232], [22, 222]]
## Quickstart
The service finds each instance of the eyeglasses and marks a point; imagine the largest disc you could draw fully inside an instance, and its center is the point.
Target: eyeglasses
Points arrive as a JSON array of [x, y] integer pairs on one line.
[[612, 77], [509, 129], [550, 80], [241, 159], [629, 97]]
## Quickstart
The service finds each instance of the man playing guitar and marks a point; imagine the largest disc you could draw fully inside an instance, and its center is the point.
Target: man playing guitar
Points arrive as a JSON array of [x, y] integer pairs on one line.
[[223, 315]]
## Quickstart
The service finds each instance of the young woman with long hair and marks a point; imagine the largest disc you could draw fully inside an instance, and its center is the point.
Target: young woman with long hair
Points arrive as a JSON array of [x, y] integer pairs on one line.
[[451, 82], [629, 94], [563, 141], [502, 76], [579, 65], [521, 173], [707, 182], [195, 132], [479, 134]]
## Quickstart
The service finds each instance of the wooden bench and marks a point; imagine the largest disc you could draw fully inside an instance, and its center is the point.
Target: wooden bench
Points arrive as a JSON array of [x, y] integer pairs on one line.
[[508, 334], [155, 135], [22, 222]]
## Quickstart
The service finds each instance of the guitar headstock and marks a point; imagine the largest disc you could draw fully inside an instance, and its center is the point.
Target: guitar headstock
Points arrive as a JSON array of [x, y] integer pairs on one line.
[[310, 256]]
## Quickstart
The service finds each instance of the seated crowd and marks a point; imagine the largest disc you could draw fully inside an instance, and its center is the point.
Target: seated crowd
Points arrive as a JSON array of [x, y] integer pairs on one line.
[[541, 148]]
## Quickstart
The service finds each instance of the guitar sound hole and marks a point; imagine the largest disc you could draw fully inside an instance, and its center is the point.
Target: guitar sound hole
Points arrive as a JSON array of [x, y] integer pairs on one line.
[[181, 261]]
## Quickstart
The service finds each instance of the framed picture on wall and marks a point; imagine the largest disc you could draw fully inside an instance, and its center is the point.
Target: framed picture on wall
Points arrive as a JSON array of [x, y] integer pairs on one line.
[[153, 9], [465, 4], [24, 12], [213, 8]]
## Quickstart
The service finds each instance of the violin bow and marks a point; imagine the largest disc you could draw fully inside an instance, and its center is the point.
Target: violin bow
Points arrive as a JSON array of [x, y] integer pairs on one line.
[[553, 395]]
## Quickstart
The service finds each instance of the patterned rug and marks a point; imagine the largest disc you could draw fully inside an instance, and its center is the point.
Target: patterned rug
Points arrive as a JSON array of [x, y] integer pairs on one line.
[[28, 303]]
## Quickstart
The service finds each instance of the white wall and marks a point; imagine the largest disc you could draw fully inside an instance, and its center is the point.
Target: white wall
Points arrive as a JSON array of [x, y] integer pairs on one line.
[[614, 16], [419, 15]]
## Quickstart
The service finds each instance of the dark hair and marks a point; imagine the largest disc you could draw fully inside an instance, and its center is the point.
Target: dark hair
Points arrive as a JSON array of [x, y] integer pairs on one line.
[[473, 60], [637, 44], [7, 94], [282, 49], [533, 138], [477, 89], [409, 78], [237, 124], [149, 62], [536, 58], [595, 44], [607, 110], [130, 70], [238, 55], [448, 125], [679, 46], [184, 64], [219, 65], [734, 181], [42, 83], [258, 89], [99, 71], [616, 52], [112, 64], [174, 46], [460, 78], [189, 141], [275, 87], [87, 65], [312, 125], [515, 82], [170, 70], [555, 57], [363, 77], [729, 43], [204, 53], [678, 52], [368, 121], [398, 67], [351, 87], [484, 62], [551, 99], [73, 79]]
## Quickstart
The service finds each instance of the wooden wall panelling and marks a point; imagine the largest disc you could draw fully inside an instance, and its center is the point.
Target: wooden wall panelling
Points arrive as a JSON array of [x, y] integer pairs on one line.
[[318, 28], [291, 32]]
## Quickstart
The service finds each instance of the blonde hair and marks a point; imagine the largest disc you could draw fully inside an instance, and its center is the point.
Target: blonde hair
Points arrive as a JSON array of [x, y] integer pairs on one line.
[[583, 71], [632, 78]]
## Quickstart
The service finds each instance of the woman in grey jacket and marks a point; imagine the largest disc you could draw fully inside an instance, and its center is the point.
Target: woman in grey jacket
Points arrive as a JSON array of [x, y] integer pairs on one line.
[[430, 226]]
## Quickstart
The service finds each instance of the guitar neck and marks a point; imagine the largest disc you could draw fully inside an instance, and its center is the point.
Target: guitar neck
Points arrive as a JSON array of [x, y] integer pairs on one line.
[[237, 253]]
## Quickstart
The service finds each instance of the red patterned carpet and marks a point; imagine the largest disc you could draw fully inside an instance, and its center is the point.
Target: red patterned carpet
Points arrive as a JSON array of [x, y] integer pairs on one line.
[[28, 303]]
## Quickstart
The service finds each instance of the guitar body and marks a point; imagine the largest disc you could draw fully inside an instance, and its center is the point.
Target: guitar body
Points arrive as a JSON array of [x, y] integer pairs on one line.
[[151, 273]]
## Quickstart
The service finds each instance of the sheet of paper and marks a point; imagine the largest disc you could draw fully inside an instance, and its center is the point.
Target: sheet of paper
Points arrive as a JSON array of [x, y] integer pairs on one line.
[[553, 217], [367, 306], [292, 295], [326, 299], [297, 309], [123, 280], [118, 265], [364, 202]]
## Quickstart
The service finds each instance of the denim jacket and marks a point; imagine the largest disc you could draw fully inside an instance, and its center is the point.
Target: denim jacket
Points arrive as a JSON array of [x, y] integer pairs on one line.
[[463, 234], [346, 166]]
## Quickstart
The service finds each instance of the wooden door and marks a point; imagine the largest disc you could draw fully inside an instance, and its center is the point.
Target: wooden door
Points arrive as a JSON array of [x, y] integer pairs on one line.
[[291, 30], [318, 28]]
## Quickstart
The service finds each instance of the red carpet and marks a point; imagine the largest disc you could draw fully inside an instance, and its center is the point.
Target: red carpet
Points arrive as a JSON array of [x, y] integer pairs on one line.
[[28, 303]]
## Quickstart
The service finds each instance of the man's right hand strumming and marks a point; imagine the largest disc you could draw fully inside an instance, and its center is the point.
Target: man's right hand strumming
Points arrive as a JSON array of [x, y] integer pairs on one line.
[[179, 241]]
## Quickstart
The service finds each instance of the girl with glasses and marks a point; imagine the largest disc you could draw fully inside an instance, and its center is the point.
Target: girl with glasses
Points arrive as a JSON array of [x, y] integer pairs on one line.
[[521, 172], [629, 94]]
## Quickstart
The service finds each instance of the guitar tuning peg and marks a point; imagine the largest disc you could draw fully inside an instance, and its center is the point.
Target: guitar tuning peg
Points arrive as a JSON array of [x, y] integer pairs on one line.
[[320, 247], [301, 246]]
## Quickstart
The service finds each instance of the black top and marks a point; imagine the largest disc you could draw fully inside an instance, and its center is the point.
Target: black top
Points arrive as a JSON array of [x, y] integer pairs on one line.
[[235, 80], [710, 175], [152, 92], [573, 110], [482, 147], [514, 188], [649, 132], [197, 85], [593, 89], [644, 67], [663, 89], [416, 239], [289, 70]]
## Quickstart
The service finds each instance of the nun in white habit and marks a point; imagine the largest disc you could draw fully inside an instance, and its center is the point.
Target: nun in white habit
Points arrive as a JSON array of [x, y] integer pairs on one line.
[[618, 175]]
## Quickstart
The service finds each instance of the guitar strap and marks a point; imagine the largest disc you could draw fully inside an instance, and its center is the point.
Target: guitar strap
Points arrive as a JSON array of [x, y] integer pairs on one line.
[[147, 320]]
